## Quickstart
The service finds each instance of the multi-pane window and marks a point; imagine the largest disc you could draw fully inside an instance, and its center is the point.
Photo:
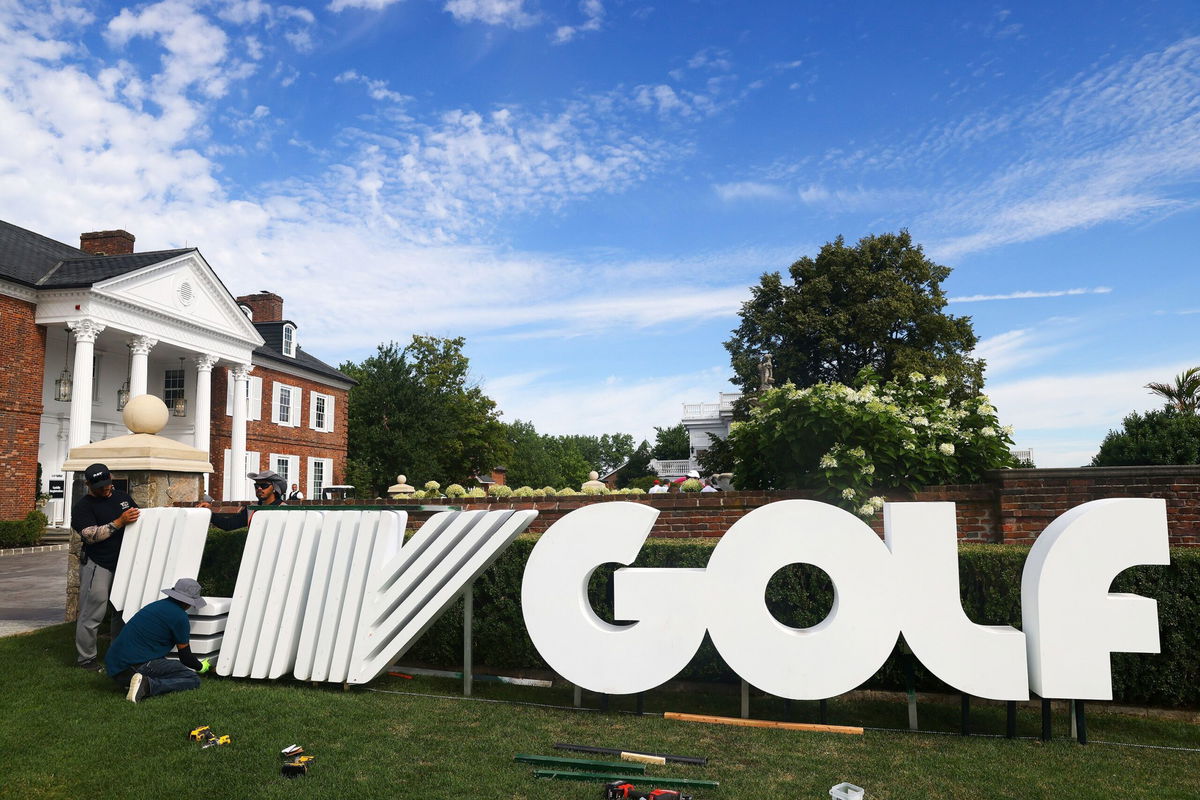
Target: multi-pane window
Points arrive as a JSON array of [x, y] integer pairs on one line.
[[283, 466], [319, 411], [318, 476], [285, 405], [289, 341], [172, 386]]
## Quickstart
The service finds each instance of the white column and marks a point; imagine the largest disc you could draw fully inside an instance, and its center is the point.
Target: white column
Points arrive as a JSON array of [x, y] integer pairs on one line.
[[237, 438], [85, 331], [139, 356], [204, 368]]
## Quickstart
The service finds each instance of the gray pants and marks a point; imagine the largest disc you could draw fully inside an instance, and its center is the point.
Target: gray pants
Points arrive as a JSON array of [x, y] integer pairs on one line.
[[95, 583]]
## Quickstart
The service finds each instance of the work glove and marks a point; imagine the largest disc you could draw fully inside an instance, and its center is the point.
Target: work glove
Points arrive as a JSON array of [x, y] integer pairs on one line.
[[205, 665]]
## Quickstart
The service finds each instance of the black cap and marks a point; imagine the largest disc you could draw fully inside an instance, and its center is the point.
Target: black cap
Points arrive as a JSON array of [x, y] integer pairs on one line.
[[97, 476]]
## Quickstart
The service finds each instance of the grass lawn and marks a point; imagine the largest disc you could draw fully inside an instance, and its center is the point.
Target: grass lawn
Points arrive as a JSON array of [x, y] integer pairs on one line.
[[69, 734]]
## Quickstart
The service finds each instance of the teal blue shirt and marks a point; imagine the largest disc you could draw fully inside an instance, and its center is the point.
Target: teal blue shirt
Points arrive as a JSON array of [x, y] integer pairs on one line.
[[151, 634]]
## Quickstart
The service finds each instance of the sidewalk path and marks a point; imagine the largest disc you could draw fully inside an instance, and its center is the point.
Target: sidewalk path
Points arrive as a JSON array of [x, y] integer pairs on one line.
[[33, 591]]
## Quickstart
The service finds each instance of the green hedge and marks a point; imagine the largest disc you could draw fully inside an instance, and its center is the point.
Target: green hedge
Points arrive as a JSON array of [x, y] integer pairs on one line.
[[800, 595], [23, 532]]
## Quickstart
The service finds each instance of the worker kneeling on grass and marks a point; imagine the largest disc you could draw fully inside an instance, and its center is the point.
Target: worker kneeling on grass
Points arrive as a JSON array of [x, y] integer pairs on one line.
[[137, 658]]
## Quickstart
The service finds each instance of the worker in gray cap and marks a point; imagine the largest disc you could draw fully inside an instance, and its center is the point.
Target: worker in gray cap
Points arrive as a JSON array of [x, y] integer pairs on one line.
[[269, 488], [100, 517], [138, 661]]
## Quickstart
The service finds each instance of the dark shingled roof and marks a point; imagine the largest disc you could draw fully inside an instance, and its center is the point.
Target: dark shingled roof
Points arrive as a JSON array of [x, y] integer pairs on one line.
[[86, 271], [34, 260], [272, 350], [26, 256]]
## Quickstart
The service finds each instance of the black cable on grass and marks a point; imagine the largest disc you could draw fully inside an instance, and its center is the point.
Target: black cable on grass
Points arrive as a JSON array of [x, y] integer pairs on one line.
[[865, 728]]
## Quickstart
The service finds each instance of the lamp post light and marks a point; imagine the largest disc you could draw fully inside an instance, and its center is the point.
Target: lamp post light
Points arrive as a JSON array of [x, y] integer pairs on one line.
[[62, 386]]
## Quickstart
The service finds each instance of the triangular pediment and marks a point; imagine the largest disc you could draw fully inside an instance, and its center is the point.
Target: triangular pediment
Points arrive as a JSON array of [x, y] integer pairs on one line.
[[185, 288]]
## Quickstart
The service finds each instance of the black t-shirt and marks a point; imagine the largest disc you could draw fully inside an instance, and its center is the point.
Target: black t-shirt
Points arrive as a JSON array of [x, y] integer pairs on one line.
[[91, 511]]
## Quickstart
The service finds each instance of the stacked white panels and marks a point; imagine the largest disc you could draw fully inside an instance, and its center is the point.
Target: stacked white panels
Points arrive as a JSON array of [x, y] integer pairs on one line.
[[208, 625], [164, 545], [408, 592]]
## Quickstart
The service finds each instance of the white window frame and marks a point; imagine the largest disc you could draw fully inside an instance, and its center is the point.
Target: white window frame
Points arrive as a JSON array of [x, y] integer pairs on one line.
[[291, 473], [288, 341], [295, 404], [253, 389], [313, 492], [313, 399]]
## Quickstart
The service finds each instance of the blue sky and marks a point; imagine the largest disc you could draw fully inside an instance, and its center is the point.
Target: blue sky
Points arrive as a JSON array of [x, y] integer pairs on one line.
[[586, 190]]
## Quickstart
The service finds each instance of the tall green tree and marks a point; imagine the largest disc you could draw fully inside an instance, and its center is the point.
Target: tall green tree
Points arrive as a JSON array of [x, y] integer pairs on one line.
[[1184, 394], [877, 304], [415, 411], [672, 443], [1162, 436]]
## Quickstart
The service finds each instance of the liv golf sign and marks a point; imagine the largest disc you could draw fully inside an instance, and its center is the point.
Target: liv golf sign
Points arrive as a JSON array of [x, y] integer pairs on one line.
[[907, 584]]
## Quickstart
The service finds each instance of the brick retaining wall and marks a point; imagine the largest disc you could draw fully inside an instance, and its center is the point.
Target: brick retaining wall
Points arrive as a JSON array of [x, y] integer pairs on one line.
[[1012, 507]]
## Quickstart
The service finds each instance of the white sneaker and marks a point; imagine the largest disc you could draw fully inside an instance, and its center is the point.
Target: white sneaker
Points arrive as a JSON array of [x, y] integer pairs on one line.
[[138, 688]]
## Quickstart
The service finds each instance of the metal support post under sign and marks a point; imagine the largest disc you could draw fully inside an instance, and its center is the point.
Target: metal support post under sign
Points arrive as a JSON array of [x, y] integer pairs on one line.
[[745, 700], [468, 625]]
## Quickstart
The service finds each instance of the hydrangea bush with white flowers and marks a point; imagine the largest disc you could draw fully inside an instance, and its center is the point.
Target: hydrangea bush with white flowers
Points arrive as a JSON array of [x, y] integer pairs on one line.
[[851, 445]]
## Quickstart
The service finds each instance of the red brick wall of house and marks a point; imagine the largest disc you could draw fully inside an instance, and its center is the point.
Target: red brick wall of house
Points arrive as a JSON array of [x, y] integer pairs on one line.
[[23, 345], [266, 437], [1012, 507]]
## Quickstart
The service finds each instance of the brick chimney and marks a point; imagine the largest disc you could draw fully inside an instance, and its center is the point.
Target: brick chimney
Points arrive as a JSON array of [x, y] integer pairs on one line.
[[264, 306], [106, 243], [500, 476]]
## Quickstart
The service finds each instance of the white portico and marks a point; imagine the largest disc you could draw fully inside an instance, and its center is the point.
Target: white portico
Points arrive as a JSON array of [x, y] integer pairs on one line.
[[158, 322]]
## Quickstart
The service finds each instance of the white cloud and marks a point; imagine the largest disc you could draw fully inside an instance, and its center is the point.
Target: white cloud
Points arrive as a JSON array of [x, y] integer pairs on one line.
[[606, 405], [376, 89], [1026, 295], [749, 190], [366, 5], [593, 12], [510, 13]]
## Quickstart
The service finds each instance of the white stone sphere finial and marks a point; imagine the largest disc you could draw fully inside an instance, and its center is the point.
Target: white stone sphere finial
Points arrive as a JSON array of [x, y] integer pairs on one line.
[[400, 479], [593, 475], [145, 414]]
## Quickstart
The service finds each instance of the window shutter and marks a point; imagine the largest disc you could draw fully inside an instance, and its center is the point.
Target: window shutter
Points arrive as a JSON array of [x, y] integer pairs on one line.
[[255, 399], [228, 393], [312, 411], [297, 405], [275, 403], [225, 477], [329, 415]]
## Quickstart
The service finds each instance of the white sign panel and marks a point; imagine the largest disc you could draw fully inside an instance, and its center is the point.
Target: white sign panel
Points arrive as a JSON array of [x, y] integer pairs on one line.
[[907, 584]]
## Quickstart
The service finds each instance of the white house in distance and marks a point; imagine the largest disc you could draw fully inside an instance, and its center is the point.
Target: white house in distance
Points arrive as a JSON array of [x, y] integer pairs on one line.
[[701, 420]]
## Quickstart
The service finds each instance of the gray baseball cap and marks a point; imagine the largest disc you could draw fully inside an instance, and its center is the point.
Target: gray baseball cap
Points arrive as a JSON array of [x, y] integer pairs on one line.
[[187, 590]]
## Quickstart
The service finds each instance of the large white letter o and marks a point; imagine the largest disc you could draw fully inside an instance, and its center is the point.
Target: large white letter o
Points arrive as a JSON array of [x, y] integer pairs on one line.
[[834, 656]]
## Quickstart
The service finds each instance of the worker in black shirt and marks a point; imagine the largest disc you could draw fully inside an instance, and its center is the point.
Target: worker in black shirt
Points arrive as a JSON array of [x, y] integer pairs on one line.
[[100, 517], [269, 487]]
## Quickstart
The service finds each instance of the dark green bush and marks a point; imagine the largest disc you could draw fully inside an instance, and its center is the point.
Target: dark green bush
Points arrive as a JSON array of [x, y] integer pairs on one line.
[[23, 532], [1165, 436], [801, 595]]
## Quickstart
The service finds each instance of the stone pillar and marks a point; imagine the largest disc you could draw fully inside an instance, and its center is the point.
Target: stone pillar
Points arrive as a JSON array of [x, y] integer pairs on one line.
[[139, 356], [85, 331], [237, 437], [204, 367]]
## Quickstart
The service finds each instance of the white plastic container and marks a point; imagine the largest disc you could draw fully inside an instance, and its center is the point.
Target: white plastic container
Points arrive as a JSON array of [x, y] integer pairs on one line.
[[847, 791]]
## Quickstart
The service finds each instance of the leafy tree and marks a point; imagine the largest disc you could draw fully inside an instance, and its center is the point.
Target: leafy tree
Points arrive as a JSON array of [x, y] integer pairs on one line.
[[541, 460], [1184, 394], [718, 457], [878, 304], [415, 411], [637, 468], [1165, 436], [603, 453], [672, 443]]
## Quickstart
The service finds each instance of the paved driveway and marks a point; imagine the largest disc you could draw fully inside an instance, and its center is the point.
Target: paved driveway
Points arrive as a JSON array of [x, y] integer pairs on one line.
[[33, 591]]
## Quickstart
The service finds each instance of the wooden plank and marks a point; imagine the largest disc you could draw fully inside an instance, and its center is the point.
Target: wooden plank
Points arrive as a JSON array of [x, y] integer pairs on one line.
[[613, 751], [580, 763], [608, 777], [764, 723]]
